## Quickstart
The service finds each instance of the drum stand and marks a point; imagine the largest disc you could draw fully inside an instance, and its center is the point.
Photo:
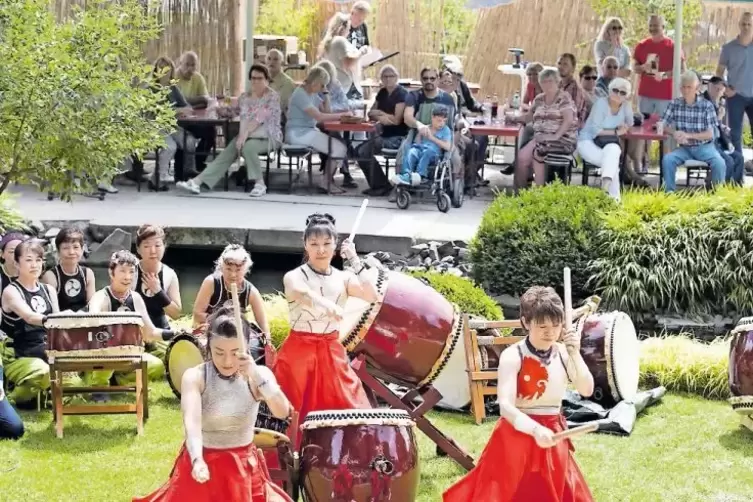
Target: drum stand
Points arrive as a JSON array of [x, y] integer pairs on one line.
[[430, 397]]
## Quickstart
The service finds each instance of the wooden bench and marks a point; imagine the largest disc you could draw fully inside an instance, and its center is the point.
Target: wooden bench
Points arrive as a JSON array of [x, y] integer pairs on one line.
[[62, 364]]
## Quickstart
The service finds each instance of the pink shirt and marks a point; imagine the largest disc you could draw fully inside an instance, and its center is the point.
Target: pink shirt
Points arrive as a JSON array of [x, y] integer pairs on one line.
[[264, 110]]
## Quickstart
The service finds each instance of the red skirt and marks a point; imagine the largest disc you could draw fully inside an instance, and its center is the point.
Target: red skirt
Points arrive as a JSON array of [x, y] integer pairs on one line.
[[513, 468], [315, 374], [235, 475]]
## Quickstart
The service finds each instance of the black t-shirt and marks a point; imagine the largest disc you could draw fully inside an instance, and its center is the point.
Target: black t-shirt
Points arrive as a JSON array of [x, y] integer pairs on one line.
[[359, 36], [387, 102]]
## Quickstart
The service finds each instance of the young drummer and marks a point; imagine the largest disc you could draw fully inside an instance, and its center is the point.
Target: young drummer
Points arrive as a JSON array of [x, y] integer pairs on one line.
[[73, 283], [522, 462]]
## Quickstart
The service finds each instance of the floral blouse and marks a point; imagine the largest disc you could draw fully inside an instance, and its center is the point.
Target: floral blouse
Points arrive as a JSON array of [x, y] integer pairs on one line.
[[264, 110], [547, 119]]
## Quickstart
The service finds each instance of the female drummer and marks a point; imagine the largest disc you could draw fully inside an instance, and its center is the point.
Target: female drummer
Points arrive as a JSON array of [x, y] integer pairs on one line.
[[522, 461], [156, 283], [312, 366], [232, 267], [73, 283], [220, 400], [8, 267]]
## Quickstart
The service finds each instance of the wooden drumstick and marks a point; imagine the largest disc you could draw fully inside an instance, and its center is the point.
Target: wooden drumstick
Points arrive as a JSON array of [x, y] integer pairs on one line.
[[238, 319], [568, 301], [359, 216], [577, 431]]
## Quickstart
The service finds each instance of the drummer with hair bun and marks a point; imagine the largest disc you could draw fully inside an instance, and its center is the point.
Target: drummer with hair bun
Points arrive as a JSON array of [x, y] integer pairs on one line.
[[312, 366], [523, 461], [231, 268]]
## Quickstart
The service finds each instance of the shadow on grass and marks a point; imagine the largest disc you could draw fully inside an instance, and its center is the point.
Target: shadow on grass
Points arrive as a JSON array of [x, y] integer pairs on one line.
[[171, 402], [79, 437], [741, 439]]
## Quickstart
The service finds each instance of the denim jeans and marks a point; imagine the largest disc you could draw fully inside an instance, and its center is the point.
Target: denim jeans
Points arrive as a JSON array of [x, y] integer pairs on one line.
[[11, 426], [418, 159], [735, 166], [737, 107], [705, 152]]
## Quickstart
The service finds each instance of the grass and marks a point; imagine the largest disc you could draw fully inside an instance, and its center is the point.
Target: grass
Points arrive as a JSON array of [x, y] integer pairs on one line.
[[685, 448]]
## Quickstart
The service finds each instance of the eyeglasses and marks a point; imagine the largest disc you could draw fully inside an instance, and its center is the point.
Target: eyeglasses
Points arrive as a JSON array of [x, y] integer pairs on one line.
[[617, 28], [258, 78], [619, 91], [428, 79], [389, 75], [590, 77]]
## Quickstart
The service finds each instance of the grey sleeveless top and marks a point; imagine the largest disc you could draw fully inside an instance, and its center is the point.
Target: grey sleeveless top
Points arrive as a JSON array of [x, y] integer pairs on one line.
[[228, 410]]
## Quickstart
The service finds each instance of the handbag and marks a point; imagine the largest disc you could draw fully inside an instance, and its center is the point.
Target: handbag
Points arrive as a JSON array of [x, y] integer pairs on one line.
[[602, 141]]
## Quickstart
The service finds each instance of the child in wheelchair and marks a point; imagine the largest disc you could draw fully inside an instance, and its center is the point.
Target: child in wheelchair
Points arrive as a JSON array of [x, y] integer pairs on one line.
[[426, 150]]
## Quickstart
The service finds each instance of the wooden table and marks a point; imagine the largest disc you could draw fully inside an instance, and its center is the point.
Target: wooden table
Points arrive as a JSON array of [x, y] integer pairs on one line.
[[335, 126], [496, 131], [206, 117], [647, 132]]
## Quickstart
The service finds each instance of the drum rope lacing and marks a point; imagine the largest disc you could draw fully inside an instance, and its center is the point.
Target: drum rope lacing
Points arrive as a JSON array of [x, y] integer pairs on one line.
[[323, 419]]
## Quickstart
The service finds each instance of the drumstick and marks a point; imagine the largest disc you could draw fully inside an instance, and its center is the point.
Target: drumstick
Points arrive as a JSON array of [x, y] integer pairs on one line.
[[358, 219], [237, 315], [576, 431], [568, 301]]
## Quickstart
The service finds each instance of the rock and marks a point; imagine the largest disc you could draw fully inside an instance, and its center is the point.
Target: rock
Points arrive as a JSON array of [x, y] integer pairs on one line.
[[434, 251], [97, 233], [419, 248], [425, 253], [446, 249], [466, 268], [463, 254], [427, 262], [51, 233], [36, 227], [460, 244], [382, 256], [117, 240], [455, 271], [448, 259], [414, 261]]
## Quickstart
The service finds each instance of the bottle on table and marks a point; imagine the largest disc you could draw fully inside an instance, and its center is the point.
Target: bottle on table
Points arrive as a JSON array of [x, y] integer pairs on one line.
[[515, 104], [227, 98], [488, 109], [495, 107]]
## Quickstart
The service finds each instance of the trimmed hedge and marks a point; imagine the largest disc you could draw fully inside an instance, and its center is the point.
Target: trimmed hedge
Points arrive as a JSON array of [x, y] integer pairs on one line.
[[468, 296], [527, 240]]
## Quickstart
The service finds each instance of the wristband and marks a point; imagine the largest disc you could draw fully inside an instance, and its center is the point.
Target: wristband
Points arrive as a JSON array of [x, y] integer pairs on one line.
[[168, 334], [268, 389], [164, 299]]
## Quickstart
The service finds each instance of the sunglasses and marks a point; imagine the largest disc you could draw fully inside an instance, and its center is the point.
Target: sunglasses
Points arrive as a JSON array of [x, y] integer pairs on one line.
[[428, 79], [590, 77], [617, 28], [620, 92]]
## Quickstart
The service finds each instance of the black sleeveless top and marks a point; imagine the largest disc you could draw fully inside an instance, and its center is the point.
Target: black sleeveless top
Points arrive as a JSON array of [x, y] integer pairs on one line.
[[153, 305], [71, 288], [116, 305], [6, 326], [5, 279], [29, 340], [221, 295]]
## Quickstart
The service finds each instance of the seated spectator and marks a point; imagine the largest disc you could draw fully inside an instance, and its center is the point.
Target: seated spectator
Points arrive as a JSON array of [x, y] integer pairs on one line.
[[566, 67], [555, 127], [305, 110], [426, 150], [692, 122], [608, 73], [734, 159], [588, 78], [194, 89], [447, 84], [387, 110], [260, 132], [599, 140], [279, 81]]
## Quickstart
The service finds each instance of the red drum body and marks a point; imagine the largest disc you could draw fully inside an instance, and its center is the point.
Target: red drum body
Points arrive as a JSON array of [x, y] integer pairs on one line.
[[741, 367], [610, 348], [407, 335], [359, 456], [84, 334]]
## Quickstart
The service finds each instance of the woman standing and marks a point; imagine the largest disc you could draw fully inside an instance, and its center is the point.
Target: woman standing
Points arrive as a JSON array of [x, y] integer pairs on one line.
[[156, 283], [338, 26], [260, 132], [220, 401], [609, 43], [312, 366]]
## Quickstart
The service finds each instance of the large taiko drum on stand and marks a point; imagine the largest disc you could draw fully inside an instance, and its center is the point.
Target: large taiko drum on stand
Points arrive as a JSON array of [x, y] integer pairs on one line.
[[407, 335], [741, 367], [359, 456], [609, 346], [81, 334]]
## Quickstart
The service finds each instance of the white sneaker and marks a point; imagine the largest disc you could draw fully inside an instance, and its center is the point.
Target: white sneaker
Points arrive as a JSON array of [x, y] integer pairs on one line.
[[415, 179], [259, 190], [107, 187], [189, 186]]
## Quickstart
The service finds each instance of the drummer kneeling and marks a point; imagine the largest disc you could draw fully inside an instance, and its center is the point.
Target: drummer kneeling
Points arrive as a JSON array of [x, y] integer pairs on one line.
[[523, 460], [220, 401], [119, 297]]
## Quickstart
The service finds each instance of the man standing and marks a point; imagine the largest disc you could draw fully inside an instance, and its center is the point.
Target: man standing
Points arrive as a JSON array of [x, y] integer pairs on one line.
[[280, 82], [737, 59], [692, 122], [359, 32]]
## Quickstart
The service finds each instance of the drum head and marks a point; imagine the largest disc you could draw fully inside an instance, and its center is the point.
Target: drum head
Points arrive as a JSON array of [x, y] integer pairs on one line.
[[183, 353], [265, 438], [341, 418], [624, 356]]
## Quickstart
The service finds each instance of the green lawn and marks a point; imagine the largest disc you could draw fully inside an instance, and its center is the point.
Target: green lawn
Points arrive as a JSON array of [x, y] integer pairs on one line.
[[683, 449]]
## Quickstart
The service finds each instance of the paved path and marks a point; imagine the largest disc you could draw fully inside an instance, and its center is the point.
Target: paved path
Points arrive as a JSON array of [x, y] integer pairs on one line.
[[274, 222]]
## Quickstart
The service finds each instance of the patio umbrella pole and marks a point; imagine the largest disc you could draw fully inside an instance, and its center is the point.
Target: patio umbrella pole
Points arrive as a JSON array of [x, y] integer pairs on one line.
[[676, 61]]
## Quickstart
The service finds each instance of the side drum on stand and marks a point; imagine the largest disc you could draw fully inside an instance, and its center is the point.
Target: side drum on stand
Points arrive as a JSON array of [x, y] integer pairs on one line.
[[359, 456], [741, 370]]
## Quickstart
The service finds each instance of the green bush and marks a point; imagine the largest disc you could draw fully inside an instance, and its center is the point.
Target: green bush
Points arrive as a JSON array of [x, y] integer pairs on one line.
[[684, 253], [528, 240], [470, 298], [10, 218]]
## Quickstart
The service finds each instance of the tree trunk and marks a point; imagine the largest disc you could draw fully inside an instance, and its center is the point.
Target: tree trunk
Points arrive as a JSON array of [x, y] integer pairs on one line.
[[236, 46]]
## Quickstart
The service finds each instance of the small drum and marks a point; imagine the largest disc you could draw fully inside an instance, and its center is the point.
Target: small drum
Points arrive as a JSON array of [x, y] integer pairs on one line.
[[741, 367], [610, 348], [359, 456], [73, 334], [407, 335]]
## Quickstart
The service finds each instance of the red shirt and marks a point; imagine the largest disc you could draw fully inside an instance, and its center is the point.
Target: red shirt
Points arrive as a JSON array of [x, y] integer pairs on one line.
[[648, 86]]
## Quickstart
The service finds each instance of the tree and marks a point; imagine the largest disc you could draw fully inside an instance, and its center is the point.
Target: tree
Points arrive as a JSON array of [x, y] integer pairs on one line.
[[74, 98]]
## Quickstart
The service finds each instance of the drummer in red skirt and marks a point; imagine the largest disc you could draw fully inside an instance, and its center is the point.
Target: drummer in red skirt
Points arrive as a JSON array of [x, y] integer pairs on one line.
[[522, 462], [312, 366], [220, 400]]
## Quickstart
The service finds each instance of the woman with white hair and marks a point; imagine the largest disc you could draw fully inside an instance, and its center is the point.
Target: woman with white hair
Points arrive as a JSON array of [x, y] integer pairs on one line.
[[306, 108], [610, 43], [337, 26], [231, 268], [346, 57], [600, 140]]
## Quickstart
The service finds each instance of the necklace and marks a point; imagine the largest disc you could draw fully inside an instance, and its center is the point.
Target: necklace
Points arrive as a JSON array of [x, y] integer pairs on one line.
[[325, 274], [121, 298], [544, 355]]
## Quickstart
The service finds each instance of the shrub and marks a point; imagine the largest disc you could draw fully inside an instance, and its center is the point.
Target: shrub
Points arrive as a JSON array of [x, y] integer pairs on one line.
[[468, 296], [527, 240], [684, 253], [10, 218], [682, 364]]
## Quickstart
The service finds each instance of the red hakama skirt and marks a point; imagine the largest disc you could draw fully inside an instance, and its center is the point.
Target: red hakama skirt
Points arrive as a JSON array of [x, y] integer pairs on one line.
[[513, 468], [235, 475], [314, 372]]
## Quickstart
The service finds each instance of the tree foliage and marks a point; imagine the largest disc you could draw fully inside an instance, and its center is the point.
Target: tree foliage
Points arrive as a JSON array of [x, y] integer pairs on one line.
[[71, 101], [293, 18]]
